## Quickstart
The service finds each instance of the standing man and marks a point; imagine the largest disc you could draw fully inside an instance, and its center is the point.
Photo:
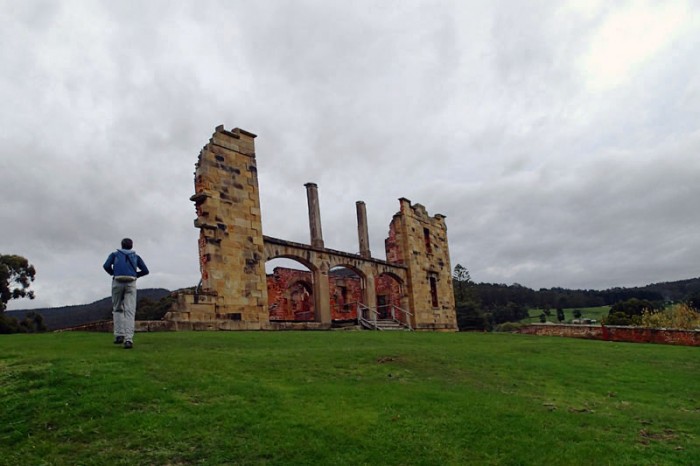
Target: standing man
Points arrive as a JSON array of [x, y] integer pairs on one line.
[[125, 266]]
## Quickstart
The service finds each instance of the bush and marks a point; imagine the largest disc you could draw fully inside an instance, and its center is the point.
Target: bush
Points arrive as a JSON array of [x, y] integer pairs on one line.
[[679, 316], [632, 307], [147, 309], [32, 323], [8, 324], [508, 327], [618, 318], [469, 317]]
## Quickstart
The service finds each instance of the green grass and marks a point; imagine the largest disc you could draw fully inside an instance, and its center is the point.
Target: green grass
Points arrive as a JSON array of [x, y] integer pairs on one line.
[[595, 313], [346, 398]]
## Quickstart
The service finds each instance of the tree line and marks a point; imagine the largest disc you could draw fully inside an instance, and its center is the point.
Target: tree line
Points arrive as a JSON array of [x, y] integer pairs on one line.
[[481, 306]]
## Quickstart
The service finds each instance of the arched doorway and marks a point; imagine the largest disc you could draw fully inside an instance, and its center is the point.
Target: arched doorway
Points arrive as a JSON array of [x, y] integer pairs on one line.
[[289, 291], [390, 297], [347, 293]]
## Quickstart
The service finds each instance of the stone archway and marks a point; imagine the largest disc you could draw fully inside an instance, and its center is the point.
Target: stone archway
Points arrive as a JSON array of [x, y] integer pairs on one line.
[[347, 285], [391, 297], [290, 296]]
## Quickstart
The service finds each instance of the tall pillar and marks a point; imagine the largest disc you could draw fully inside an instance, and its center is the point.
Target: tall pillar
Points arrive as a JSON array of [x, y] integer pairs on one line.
[[370, 294], [314, 215], [322, 295], [233, 294], [362, 233]]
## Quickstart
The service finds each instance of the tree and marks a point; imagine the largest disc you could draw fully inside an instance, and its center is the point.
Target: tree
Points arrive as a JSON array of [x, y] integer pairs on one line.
[[632, 307], [461, 274], [469, 317], [618, 318], [560, 314], [16, 275], [469, 313], [148, 309], [678, 316], [32, 323], [577, 313], [693, 300], [463, 287], [543, 318]]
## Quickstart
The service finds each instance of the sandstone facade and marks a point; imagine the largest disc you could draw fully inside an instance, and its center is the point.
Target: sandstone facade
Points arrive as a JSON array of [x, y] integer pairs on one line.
[[414, 282]]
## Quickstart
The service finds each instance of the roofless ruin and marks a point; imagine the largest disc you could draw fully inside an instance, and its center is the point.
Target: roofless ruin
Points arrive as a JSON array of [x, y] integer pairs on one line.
[[412, 288]]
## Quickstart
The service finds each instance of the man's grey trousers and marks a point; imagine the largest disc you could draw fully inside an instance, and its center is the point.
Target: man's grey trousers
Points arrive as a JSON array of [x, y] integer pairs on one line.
[[124, 308]]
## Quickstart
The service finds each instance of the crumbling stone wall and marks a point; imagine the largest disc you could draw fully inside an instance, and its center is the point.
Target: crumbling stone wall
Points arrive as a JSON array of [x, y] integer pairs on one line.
[[289, 293], [233, 293], [419, 241], [233, 290]]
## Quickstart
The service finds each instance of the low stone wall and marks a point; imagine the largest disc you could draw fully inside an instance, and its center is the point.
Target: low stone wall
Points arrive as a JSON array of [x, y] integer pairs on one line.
[[616, 333], [221, 324], [107, 326]]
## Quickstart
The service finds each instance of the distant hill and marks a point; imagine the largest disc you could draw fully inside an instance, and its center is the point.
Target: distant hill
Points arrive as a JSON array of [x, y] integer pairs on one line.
[[675, 291], [56, 318], [482, 305]]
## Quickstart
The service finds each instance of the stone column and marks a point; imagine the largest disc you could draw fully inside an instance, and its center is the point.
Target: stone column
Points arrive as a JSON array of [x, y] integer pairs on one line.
[[362, 233], [370, 294], [322, 295], [314, 215]]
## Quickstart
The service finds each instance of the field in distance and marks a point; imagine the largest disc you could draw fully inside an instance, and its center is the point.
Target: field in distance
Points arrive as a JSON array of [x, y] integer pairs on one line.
[[346, 398], [594, 313]]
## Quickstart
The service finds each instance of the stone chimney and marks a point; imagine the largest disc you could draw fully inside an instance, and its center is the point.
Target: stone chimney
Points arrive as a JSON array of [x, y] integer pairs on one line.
[[314, 215], [362, 233]]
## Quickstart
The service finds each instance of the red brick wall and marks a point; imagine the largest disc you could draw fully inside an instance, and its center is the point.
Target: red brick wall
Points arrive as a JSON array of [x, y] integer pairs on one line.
[[626, 334], [392, 244], [290, 295], [390, 288], [288, 300]]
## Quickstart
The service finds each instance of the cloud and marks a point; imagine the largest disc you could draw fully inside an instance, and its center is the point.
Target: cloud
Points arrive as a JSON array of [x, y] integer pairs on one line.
[[629, 37], [554, 163]]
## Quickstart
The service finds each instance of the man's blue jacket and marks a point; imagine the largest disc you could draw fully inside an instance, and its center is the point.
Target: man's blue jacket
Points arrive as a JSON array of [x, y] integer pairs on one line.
[[125, 262]]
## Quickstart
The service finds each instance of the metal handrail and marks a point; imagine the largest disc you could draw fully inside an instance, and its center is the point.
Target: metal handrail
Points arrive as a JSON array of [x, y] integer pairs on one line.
[[373, 322], [361, 308]]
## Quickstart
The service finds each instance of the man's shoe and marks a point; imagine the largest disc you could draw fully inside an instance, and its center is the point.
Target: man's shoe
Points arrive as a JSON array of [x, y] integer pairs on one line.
[[128, 345], [118, 340]]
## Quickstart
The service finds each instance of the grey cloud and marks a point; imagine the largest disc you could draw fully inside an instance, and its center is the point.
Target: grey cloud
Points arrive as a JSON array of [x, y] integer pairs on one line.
[[478, 111]]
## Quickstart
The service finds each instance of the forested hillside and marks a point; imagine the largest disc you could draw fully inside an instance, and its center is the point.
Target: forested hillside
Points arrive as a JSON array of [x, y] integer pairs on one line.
[[482, 305], [56, 318]]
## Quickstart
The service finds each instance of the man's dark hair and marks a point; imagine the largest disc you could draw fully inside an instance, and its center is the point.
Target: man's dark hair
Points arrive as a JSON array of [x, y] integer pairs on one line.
[[127, 243]]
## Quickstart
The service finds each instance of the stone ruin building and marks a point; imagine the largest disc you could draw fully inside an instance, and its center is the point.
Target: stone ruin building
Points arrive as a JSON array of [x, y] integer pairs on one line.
[[411, 289]]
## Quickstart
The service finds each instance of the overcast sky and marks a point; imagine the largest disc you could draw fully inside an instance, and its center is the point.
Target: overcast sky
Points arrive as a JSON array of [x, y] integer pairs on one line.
[[561, 139]]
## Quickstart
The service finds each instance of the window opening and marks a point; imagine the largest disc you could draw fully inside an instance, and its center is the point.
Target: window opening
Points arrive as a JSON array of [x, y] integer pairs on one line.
[[426, 238], [433, 291]]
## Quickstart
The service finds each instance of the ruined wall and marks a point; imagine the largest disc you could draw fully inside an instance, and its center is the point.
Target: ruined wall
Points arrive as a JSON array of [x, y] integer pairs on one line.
[[233, 288], [289, 302], [419, 241], [233, 293], [617, 333], [289, 294]]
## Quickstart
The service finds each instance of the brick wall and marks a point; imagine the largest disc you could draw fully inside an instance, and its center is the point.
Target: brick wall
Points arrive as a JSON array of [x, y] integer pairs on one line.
[[615, 333], [290, 299]]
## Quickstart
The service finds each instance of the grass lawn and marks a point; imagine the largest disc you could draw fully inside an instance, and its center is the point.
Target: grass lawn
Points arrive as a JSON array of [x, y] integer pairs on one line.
[[346, 398], [595, 313]]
